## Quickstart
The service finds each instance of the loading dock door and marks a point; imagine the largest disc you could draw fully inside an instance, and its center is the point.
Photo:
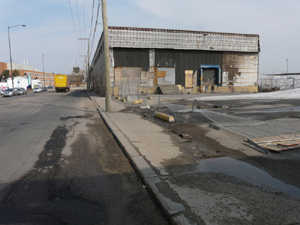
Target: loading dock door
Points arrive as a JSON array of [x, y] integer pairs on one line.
[[210, 76]]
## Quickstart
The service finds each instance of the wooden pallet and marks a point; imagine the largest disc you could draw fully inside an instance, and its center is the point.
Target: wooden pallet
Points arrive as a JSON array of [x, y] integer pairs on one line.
[[277, 143]]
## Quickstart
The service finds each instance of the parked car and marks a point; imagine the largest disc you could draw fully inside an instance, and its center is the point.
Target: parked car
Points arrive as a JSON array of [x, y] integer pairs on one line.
[[25, 91], [10, 92], [2, 89], [44, 88], [21, 91], [37, 89]]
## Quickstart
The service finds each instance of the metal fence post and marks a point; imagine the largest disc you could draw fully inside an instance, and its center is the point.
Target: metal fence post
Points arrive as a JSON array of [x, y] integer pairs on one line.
[[158, 103], [194, 105], [122, 89], [192, 110], [138, 90], [293, 82], [128, 83]]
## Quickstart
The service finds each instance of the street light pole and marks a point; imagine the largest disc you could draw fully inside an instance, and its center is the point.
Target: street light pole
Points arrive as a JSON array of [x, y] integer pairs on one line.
[[287, 66], [11, 72], [43, 66]]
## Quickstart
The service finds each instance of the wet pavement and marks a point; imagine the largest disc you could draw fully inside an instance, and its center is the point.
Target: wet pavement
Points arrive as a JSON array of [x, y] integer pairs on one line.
[[219, 178]]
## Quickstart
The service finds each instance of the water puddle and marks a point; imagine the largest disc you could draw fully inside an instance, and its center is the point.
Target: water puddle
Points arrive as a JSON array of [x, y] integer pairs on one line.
[[246, 172], [211, 106]]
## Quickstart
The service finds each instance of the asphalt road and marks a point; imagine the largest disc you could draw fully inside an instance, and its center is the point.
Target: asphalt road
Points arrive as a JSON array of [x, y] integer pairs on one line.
[[60, 165]]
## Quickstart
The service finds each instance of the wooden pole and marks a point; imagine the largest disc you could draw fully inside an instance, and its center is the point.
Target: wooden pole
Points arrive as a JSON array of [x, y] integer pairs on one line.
[[106, 57]]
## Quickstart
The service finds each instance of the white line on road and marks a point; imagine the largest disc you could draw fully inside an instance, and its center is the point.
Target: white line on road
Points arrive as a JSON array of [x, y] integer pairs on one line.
[[35, 112]]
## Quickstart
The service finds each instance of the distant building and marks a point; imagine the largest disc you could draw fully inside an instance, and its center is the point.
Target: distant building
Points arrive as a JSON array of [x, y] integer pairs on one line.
[[29, 72], [198, 61], [76, 80]]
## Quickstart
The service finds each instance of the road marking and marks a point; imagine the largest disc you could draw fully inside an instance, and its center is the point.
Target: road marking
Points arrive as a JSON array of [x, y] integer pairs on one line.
[[35, 111]]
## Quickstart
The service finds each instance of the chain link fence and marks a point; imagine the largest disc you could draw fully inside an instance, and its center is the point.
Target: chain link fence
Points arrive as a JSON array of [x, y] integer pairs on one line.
[[130, 90], [274, 84]]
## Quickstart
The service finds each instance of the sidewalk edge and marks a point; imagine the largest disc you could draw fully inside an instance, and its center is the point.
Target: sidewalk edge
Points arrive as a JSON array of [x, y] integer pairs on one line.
[[173, 210]]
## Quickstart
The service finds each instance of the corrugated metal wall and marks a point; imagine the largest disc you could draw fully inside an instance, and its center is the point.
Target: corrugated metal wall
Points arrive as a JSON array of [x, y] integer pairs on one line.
[[130, 37], [186, 60], [131, 57]]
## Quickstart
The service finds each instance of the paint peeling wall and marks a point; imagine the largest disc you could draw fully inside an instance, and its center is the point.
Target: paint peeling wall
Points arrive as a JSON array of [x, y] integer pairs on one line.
[[131, 37], [240, 69]]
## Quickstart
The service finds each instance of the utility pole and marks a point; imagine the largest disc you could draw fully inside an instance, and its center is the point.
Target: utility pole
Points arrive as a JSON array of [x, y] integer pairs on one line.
[[88, 65], [106, 57]]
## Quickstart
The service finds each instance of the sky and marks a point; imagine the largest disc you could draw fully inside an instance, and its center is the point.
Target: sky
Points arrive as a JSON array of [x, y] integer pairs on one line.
[[54, 26]]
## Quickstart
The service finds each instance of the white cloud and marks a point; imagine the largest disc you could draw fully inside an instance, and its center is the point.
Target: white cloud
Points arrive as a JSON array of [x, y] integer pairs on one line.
[[50, 28]]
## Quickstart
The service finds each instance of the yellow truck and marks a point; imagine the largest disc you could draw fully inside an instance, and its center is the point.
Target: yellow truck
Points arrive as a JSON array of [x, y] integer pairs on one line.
[[61, 82]]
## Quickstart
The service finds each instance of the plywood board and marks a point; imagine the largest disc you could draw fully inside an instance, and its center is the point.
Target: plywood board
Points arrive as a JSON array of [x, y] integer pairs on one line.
[[189, 78], [278, 143], [161, 74]]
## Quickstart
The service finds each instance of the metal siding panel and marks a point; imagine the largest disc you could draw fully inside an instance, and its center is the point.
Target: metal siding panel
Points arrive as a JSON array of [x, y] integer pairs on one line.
[[186, 60], [129, 37], [129, 57]]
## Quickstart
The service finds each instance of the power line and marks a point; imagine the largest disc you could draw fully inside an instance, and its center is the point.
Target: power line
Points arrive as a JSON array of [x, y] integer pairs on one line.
[[79, 23], [78, 18], [83, 17], [92, 18], [96, 23], [74, 24], [73, 18]]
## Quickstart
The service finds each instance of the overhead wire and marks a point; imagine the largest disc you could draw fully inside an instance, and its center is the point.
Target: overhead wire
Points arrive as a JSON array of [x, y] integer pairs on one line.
[[83, 17], [96, 23], [92, 19], [74, 24], [79, 25], [73, 18]]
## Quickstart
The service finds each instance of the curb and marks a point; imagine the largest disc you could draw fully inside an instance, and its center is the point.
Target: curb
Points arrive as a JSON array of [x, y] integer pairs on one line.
[[175, 212], [147, 174]]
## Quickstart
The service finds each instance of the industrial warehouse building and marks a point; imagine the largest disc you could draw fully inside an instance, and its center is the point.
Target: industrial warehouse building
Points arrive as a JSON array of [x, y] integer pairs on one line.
[[195, 61]]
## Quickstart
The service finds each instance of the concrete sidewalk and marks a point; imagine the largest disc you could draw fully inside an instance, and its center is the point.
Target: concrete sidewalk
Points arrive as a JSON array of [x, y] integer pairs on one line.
[[148, 147], [192, 189]]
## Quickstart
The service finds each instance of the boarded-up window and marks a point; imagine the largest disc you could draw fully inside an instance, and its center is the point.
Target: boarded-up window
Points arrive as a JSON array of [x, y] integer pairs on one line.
[[189, 78], [161, 74]]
